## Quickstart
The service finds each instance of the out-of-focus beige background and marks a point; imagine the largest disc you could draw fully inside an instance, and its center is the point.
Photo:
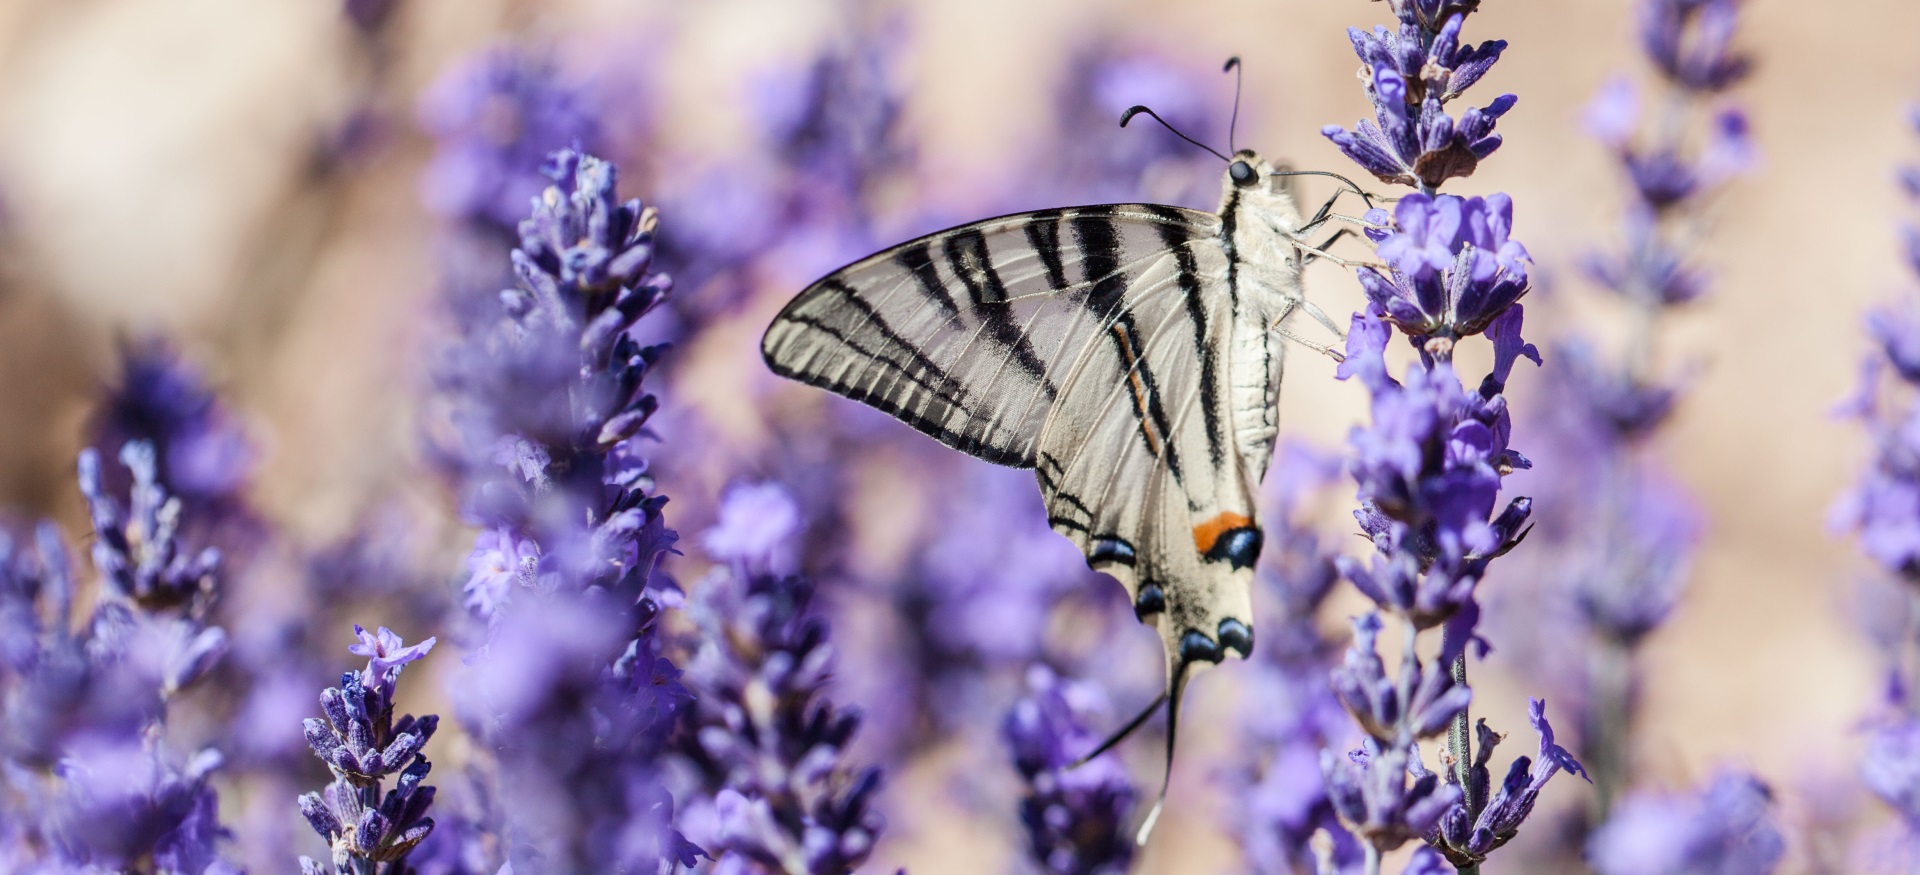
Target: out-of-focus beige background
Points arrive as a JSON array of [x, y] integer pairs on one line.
[[156, 174]]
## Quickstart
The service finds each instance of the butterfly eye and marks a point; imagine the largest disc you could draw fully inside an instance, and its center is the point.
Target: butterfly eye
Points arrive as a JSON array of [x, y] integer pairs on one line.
[[1242, 174]]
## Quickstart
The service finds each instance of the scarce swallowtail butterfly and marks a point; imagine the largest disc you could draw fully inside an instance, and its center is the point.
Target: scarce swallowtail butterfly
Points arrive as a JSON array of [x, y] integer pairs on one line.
[[1130, 354]]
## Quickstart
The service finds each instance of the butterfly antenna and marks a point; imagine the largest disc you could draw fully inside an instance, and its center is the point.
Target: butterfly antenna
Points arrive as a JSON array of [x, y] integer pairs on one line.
[[1233, 64], [1136, 110], [1124, 731], [1173, 723]]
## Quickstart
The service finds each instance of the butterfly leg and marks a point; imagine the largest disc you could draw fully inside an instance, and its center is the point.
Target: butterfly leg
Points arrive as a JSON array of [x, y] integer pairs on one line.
[[1319, 315], [1325, 213]]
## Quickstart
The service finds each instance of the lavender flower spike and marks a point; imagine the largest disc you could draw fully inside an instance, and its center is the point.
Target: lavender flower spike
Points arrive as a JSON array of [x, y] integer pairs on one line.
[[1411, 140], [572, 693], [369, 828], [1724, 830], [770, 747], [1431, 465], [1076, 816]]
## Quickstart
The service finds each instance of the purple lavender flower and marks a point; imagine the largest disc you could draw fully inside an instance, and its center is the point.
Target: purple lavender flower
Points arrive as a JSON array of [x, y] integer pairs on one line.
[[1690, 42], [1883, 510], [1884, 507], [1465, 842], [1891, 768], [1076, 816], [1628, 580], [1724, 830], [570, 691], [576, 704], [370, 828], [551, 404], [1622, 535], [1429, 470], [496, 117], [1431, 465], [121, 800], [1411, 76], [201, 453], [137, 547], [91, 782], [765, 739], [1604, 402], [1453, 267]]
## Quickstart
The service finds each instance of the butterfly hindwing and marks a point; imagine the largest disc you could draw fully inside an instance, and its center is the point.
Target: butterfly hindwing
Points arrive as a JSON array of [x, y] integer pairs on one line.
[[1138, 460]]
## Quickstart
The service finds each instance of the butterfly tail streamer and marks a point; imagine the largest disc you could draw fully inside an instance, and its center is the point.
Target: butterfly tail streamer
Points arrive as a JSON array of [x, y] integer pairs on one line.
[[1172, 697], [1122, 733]]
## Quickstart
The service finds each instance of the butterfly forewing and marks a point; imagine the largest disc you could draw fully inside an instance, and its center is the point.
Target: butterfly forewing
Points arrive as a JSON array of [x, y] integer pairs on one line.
[[967, 334]]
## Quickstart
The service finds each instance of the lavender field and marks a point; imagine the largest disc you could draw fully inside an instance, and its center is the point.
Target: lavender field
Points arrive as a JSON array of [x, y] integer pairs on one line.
[[392, 481]]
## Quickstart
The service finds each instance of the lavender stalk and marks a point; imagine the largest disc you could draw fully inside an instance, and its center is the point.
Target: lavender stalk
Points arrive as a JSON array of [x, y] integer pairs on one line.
[[1076, 816], [570, 692], [770, 747], [1883, 512], [91, 779], [1431, 464], [1636, 539]]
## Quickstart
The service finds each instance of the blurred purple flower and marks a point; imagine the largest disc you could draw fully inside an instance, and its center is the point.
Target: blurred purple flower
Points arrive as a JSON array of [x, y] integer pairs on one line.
[[120, 801], [369, 827], [1648, 269], [1690, 42], [570, 690], [1896, 330], [1629, 578], [1611, 404], [1076, 816], [136, 546], [1614, 113], [495, 117], [765, 739], [757, 523], [91, 783], [201, 453], [1723, 830], [1891, 767]]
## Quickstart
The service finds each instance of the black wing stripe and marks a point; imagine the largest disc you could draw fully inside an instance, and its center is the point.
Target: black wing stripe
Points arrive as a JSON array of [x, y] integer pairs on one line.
[[947, 387], [865, 393], [1043, 234], [1187, 274], [969, 259], [1098, 241], [917, 259], [1154, 427]]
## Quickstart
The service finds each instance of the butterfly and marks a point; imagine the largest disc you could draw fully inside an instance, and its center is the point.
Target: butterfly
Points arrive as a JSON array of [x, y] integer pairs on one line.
[[1130, 354]]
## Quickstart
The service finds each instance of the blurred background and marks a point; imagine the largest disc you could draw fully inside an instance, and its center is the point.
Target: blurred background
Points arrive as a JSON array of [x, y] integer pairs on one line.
[[288, 192]]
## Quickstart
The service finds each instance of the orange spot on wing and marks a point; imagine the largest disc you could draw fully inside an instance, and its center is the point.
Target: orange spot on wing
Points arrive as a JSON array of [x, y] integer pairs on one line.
[[1210, 531]]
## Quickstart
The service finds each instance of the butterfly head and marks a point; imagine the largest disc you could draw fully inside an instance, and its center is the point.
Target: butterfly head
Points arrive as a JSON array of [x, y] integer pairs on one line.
[[1253, 181]]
